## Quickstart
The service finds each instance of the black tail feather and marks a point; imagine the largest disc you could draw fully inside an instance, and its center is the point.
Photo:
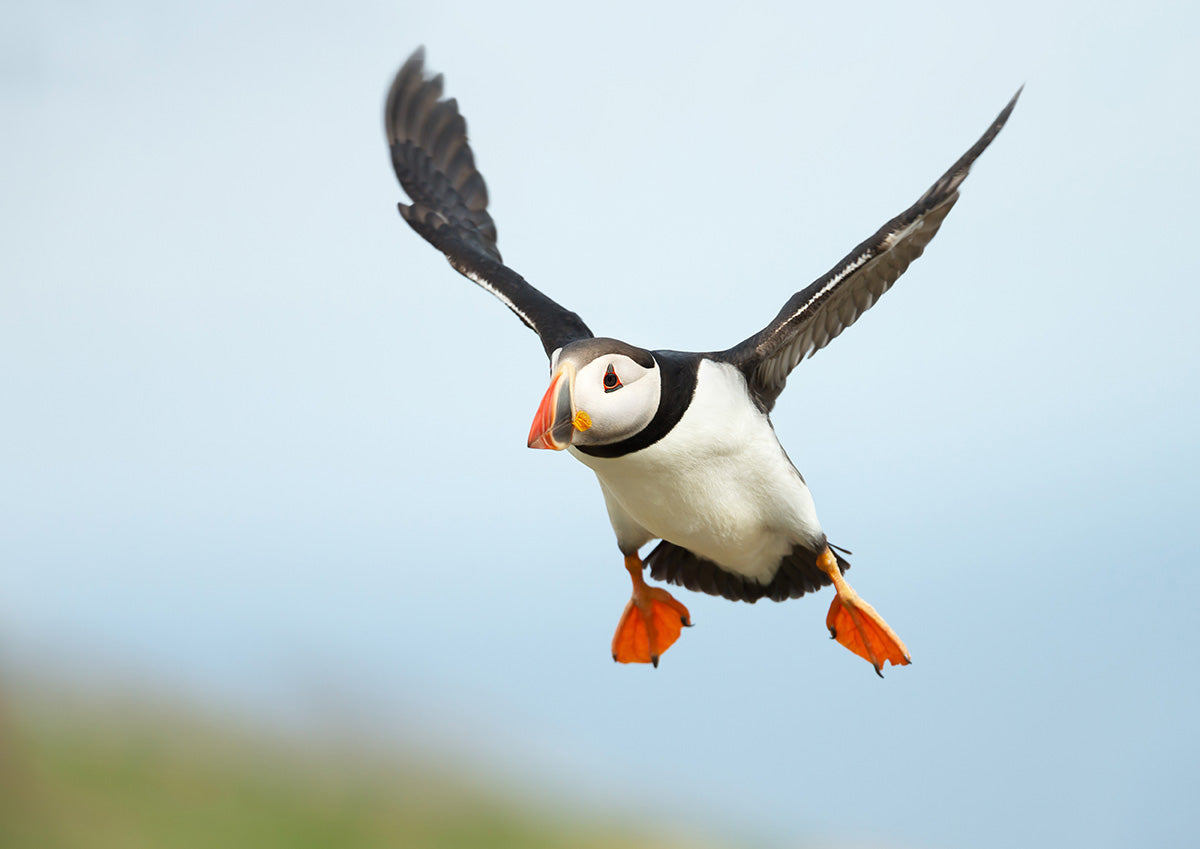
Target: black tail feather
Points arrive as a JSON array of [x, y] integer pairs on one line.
[[796, 575]]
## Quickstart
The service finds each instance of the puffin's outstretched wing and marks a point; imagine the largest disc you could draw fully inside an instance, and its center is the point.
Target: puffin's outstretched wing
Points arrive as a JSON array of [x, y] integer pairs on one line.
[[435, 165], [817, 314]]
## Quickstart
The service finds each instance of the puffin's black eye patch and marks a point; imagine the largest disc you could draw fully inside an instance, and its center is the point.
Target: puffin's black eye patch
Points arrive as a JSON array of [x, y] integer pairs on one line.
[[611, 382]]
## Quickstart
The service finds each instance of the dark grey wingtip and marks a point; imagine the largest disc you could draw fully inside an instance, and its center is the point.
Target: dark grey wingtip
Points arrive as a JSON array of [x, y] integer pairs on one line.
[[1002, 118], [410, 75], [432, 158], [948, 184], [997, 125]]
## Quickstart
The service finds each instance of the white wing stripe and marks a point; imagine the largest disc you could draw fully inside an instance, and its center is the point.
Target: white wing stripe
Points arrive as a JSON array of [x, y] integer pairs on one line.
[[485, 284], [894, 239], [832, 284]]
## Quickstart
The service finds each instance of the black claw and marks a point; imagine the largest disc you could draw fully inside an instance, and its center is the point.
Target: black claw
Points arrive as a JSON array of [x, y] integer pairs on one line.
[[614, 658], [832, 634], [685, 621], [879, 671], [654, 660]]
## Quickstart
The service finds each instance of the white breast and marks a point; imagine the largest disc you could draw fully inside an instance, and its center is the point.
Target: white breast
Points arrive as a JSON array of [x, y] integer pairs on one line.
[[718, 484]]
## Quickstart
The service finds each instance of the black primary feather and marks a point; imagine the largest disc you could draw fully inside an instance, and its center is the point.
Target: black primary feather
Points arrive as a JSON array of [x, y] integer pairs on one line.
[[814, 316], [435, 165]]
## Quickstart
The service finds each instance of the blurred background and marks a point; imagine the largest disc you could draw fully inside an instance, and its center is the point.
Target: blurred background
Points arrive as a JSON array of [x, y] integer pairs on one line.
[[276, 568]]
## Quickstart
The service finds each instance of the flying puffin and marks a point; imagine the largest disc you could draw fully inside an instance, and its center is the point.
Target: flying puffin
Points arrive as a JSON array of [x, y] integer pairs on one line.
[[682, 443]]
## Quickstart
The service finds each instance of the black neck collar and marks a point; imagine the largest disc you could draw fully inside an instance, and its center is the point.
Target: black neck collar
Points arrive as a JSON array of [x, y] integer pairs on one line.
[[679, 373]]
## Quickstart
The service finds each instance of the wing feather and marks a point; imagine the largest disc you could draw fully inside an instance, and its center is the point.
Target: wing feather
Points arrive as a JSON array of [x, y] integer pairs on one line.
[[814, 317], [434, 163]]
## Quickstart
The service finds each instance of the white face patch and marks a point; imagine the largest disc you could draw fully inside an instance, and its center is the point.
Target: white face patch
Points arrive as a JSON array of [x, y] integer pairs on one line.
[[619, 396]]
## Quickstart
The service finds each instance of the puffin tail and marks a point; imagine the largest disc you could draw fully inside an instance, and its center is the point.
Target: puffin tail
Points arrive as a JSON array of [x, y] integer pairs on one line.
[[797, 574], [838, 551]]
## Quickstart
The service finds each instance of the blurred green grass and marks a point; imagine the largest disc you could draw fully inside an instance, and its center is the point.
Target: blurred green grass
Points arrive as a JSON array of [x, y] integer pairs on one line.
[[78, 774]]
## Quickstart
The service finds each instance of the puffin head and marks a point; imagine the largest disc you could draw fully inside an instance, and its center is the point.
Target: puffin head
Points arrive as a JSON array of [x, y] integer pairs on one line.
[[602, 391]]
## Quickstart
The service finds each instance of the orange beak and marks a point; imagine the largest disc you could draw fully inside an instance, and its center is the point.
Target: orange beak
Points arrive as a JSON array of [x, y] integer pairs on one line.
[[554, 424]]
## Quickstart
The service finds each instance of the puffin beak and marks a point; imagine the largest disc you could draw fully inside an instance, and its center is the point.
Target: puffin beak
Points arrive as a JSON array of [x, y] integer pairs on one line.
[[555, 422]]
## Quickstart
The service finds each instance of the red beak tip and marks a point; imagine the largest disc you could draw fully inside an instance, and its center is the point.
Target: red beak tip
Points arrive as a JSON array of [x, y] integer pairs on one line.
[[554, 414]]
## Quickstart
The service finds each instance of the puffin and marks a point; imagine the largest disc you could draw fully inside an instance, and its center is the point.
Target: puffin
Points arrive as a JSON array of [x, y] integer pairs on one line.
[[682, 443]]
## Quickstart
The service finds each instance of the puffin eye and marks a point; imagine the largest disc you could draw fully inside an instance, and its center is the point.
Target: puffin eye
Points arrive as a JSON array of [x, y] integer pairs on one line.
[[611, 382]]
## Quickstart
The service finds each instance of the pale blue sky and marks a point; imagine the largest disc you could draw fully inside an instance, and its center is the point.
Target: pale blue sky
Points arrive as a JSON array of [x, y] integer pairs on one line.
[[261, 445]]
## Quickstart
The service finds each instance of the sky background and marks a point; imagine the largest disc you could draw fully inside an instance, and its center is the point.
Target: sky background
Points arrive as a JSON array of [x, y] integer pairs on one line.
[[262, 448]]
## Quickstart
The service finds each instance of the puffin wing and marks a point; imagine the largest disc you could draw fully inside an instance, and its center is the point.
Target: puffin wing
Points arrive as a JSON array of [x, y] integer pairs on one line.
[[432, 159], [814, 316]]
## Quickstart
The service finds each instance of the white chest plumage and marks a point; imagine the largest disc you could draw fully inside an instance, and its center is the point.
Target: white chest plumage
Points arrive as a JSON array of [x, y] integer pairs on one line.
[[718, 484]]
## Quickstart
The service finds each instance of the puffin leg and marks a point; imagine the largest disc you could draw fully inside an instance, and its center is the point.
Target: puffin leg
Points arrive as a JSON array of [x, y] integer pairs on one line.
[[856, 625], [651, 622]]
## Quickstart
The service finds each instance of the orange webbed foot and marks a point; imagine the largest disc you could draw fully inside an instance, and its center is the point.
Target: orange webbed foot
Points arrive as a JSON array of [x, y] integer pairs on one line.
[[856, 625], [651, 623]]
